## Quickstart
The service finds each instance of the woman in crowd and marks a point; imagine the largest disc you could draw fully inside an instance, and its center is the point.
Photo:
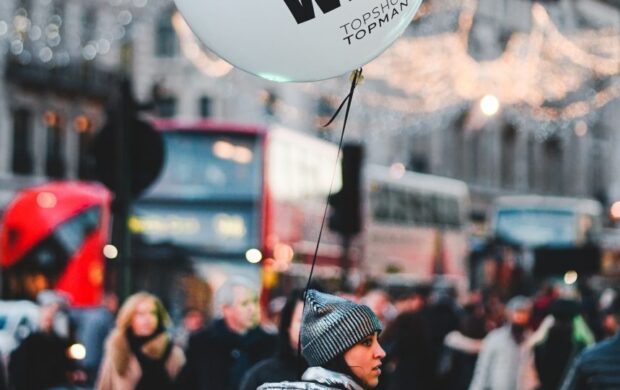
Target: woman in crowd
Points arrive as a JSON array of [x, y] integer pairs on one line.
[[139, 352], [339, 343], [286, 365]]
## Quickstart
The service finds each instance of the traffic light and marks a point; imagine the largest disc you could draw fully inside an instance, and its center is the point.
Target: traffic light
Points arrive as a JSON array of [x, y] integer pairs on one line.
[[127, 149], [345, 213]]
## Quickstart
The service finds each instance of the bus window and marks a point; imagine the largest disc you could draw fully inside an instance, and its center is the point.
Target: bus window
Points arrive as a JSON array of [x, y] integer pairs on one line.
[[209, 166]]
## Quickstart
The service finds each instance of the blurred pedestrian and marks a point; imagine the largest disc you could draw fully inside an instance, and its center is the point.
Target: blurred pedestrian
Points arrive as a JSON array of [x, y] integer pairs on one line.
[[42, 360], [598, 367], [609, 325], [461, 349], [93, 327], [219, 356], [193, 321], [379, 302], [139, 353], [506, 360], [561, 341], [339, 342], [411, 359], [286, 365], [547, 294]]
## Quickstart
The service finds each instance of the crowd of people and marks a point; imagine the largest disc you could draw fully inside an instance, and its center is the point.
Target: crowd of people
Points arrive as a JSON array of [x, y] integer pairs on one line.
[[403, 338]]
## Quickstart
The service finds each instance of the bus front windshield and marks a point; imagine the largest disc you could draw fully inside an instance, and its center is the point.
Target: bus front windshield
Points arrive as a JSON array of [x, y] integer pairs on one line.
[[209, 166], [536, 227]]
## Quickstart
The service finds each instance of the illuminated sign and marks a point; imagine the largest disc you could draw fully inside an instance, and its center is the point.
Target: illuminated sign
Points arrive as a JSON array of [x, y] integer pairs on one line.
[[229, 225], [164, 224], [219, 229]]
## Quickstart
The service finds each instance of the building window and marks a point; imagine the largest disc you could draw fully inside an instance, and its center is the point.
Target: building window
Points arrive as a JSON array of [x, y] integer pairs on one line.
[[270, 102], [22, 142], [54, 162], [57, 18], [458, 150], [89, 25], [508, 156], [205, 107], [532, 162], [419, 163], [167, 107], [553, 165], [166, 40]]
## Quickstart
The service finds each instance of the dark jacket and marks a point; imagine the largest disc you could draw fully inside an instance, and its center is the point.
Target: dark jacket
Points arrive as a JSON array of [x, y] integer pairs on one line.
[[458, 361], [40, 362], [598, 367], [407, 342], [554, 355], [217, 358]]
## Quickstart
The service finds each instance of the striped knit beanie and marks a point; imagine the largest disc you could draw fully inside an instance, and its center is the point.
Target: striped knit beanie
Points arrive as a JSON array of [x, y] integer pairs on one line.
[[331, 325]]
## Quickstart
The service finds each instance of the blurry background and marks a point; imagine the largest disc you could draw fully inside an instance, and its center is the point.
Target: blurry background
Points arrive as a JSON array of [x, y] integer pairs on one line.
[[511, 97]]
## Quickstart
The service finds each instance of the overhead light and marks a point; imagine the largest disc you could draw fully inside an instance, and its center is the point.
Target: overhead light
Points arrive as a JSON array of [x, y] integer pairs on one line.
[[253, 255], [110, 251], [489, 105]]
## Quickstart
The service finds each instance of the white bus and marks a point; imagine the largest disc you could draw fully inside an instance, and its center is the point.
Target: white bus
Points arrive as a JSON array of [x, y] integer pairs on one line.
[[415, 226]]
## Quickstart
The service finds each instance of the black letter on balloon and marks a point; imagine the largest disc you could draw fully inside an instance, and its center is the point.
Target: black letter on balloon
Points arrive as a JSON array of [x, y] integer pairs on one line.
[[302, 12]]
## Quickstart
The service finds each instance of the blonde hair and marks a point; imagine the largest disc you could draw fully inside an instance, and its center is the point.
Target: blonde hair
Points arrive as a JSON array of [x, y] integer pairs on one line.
[[127, 311]]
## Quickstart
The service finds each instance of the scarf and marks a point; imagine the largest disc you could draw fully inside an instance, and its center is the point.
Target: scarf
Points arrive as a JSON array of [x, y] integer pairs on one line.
[[154, 373]]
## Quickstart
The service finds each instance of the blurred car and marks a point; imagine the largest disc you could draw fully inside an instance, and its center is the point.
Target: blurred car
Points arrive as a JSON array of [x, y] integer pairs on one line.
[[17, 320]]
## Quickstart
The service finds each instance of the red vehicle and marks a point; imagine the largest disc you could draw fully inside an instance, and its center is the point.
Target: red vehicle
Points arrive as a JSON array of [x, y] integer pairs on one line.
[[235, 199], [52, 237], [243, 199]]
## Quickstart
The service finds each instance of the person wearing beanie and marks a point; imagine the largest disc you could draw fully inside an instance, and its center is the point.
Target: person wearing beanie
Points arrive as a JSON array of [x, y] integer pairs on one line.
[[339, 343]]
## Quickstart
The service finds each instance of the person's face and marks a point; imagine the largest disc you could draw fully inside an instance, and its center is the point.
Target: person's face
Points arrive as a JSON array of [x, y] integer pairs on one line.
[[193, 321], [378, 303], [293, 331], [610, 324], [144, 320], [364, 359], [48, 314], [242, 314], [520, 317]]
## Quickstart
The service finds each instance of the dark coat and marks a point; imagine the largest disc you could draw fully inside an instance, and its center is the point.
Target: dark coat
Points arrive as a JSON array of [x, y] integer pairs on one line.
[[458, 361], [217, 358], [40, 362], [122, 369], [598, 367], [407, 342], [554, 356]]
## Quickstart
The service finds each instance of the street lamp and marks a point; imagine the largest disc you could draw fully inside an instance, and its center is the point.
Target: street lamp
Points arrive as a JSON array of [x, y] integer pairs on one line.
[[489, 105]]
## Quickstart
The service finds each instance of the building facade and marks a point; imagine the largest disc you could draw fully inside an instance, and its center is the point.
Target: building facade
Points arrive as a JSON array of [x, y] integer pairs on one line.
[[59, 61], [549, 66]]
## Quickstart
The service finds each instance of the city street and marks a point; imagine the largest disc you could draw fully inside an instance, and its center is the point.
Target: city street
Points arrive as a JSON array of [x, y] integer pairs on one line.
[[310, 194]]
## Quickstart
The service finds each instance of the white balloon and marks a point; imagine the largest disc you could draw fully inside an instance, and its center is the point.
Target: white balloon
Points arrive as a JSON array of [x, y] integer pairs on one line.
[[298, 40]]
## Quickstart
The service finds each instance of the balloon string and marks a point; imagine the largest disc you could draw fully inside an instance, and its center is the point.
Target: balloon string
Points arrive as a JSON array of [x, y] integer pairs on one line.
[[356, 78]]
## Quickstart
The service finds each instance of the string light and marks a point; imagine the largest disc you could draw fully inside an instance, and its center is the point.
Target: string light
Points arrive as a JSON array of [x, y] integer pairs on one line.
[[192, 50]]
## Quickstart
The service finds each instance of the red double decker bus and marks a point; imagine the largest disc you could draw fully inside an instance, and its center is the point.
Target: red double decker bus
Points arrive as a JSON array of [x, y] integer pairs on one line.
[[245, 199], [232, 199], [52, 237]]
